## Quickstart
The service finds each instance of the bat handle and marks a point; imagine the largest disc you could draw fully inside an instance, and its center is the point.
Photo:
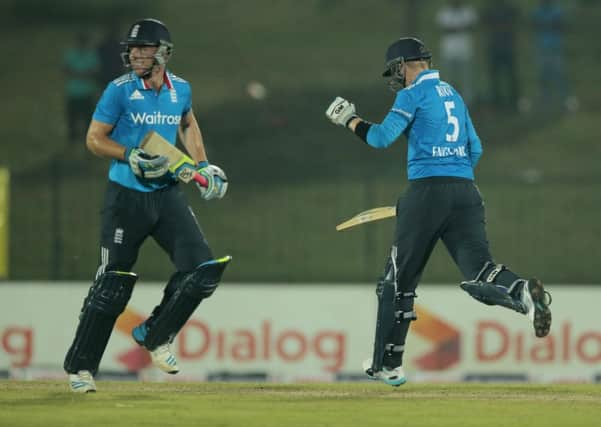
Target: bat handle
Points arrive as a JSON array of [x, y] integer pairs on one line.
[[201, 180]]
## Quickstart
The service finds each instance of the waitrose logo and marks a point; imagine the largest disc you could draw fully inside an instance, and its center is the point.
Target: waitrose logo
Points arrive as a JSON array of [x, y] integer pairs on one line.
[[155, 118]]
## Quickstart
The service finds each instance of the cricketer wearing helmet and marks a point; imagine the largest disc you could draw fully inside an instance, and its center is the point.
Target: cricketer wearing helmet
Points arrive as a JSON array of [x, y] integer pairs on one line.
[[144, 200], [441, 202]]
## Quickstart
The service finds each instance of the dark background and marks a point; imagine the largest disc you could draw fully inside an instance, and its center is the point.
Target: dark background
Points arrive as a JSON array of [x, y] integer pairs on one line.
[[293, 175]]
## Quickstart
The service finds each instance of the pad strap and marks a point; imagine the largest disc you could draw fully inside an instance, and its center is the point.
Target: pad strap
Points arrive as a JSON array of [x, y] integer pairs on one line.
[[516, 286], [484, 268], [494, 273], [401, 315], [406, 295], [392, 348]]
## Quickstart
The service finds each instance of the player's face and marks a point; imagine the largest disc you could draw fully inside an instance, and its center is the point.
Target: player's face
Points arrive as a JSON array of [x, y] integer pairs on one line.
[[142, 58], [403, 70]]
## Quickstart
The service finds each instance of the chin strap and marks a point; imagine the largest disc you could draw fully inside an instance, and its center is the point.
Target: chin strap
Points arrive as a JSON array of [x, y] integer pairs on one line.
[[148, 73]]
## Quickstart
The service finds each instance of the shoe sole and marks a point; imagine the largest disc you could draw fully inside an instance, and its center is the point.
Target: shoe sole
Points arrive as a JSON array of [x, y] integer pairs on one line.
[[370, 374], [165, 367], [77, 387], [395, 383], [82, 390], [542, 313], [169, 371]]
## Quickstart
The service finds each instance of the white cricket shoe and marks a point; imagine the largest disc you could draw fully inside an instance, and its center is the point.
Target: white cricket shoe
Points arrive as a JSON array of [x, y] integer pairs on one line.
[[163, 359], [82, 382], [394, 377], [537, 301]]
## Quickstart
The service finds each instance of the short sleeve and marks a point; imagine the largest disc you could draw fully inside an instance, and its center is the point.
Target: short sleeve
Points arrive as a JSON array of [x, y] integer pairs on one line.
[[110, 106]]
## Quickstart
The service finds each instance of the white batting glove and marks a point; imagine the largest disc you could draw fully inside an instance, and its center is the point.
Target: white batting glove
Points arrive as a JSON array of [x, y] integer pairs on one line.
[[217, 181], [341, 111], [146, 165]]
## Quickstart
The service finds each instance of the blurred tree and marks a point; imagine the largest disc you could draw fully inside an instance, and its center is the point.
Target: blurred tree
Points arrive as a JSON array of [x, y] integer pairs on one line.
[[29, 12]]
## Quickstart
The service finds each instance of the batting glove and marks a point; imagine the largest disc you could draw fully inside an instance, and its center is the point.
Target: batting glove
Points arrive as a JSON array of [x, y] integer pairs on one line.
[[216, 180], [146, 165], [341, 112]]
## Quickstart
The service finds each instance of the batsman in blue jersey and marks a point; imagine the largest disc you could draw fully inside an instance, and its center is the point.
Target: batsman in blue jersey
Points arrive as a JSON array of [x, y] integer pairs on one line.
[[144, 200], [441, 202]]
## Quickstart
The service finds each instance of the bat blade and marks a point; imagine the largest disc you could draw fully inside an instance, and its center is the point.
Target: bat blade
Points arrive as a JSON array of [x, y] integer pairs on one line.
[[370, 215], [153, 143]]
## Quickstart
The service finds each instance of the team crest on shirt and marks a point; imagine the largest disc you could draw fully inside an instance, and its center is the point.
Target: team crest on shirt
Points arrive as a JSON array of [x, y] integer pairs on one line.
[[173, 95], [136, 95]]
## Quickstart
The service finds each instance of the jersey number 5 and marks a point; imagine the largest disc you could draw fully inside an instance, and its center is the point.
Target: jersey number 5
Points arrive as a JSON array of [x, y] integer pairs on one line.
[[453, 121]]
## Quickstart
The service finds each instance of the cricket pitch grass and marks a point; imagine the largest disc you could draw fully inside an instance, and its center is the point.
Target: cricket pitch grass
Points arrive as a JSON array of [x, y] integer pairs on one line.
[[50, 403]]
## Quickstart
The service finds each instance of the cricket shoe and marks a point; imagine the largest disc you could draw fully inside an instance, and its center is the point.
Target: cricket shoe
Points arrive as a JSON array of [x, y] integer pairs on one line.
[[394, 377], [537, 301], [82, 382], [161, 356], [163, 359]]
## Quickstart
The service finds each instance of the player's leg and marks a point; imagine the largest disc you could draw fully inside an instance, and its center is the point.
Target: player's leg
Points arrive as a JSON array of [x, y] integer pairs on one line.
[[488, 282], [466, 240], [197, 277], [122, 233], [394, 314], [419, 217], [106, 300]]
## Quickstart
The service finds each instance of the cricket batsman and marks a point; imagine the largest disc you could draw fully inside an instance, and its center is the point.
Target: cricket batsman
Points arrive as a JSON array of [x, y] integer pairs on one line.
[[441, 202], [143, 200]]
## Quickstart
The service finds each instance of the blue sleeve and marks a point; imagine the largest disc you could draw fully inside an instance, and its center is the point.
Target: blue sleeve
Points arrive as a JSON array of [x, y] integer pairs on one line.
[[395, 122], [473, 140], [109, 108]]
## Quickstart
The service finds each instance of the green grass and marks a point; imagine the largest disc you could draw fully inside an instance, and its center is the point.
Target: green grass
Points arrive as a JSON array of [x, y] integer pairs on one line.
[[347, 405]]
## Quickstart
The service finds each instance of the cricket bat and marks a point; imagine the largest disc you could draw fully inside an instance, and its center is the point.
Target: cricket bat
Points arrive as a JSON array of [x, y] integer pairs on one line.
[[368, 216], [155, 144]]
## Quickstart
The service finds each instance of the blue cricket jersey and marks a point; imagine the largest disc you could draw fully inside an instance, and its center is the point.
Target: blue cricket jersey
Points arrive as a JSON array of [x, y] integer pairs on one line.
[[134, 109], [442, 140]]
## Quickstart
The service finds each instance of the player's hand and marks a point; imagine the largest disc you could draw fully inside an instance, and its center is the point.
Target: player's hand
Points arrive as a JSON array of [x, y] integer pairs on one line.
[[216, 179], [341, 111], [146, 165]]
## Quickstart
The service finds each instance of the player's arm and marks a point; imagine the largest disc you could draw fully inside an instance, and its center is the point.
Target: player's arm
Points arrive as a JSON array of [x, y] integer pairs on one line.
[[108, 110], [99, 142], [342, 112], [142, 164], [379, 135], [191, 136]]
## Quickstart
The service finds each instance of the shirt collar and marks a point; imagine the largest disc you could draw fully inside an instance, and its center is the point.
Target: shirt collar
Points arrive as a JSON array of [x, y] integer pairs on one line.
[[426, 75], [145, 86]]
